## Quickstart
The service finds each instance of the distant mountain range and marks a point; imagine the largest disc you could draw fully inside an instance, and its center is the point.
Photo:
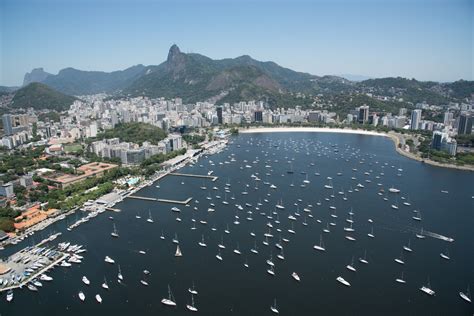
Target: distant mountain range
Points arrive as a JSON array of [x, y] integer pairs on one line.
[[356, 78], [194, 77]]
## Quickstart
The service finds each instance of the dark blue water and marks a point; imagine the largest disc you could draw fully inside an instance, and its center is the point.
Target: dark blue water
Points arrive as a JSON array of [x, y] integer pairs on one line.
[[227, 287]]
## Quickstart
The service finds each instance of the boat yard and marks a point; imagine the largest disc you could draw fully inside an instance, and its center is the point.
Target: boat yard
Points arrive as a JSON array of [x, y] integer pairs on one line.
[[28, 266]]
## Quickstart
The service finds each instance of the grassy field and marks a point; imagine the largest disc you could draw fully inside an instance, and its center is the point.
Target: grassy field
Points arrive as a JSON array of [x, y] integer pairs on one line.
[[71, 148]]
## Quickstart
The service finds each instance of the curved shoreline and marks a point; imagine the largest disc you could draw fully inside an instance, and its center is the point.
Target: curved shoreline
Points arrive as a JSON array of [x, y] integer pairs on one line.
[[392, 136], [309, 129]]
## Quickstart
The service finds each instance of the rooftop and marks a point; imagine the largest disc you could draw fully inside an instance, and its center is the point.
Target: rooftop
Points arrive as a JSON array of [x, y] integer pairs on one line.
[[87, 170]]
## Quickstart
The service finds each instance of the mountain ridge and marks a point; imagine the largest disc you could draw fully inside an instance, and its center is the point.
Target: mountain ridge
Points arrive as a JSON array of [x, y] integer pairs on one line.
[[195, 77]]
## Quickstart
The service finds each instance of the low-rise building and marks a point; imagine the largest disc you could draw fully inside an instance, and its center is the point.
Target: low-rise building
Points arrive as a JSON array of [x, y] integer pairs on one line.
[[93, 169]]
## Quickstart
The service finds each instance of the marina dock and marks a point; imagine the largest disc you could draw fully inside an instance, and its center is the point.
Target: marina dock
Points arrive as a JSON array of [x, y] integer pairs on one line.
[[213, 178], [184, 202], [34, 275]]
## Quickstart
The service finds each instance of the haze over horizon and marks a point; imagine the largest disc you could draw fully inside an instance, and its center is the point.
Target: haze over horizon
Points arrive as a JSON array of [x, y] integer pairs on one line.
[[422, 39]]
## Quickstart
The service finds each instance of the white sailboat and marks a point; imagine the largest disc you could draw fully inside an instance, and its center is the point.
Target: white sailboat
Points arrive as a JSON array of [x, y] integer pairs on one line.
[[320, 247], [218, 256], [149, 219], [221, 245], [342, 281], [350, 238], [371, 234], [292, 230], [400, 259], [105, 285], [114, 233], [192, 307], [82, 297], [265, 241], [395, 206], [420, 235], [193, 290], [98, 298], [351, 266], [296, 276], [393, 190], [85, 280], [254, 249], [417, 217], [170, 300], [178, 252], [401, 279], [445, 255], [407, 202], [427, 289], [349, 229], [175, 239], [271, 271], [281, 256], [364, 260], [306, 181], [326, 230], [407, 247], [274, 308], [329, 185], [237, 250], [466, 296], [202, 243], [280, 205], [119, 275]]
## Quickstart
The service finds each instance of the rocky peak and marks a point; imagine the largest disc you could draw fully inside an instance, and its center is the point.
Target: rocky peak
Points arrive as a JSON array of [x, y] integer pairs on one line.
[[173, 53], [36, 75], [176, 60]]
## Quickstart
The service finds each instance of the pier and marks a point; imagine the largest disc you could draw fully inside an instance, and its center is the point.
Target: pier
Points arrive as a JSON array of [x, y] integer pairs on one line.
[[141, 198], [213, 178], [184, 202]]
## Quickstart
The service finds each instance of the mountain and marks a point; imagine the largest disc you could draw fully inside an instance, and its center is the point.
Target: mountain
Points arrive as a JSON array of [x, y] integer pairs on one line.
[[36, 75], [79, 82], [40, 96], [460, 89], [415, 91], [195, 77], [356, 78]]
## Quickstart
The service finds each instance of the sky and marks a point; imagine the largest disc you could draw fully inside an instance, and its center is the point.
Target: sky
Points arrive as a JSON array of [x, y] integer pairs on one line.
[[422, 39]]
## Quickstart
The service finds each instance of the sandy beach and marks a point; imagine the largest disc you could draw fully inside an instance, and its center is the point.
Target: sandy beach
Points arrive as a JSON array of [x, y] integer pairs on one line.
[[309, 129]]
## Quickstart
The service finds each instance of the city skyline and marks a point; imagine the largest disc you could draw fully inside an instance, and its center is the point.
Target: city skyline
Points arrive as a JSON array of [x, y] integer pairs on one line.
[[321, 38]]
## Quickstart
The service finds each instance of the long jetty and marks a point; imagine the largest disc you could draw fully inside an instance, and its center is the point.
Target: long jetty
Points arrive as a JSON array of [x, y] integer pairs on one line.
[[213, 178], [184, 202]]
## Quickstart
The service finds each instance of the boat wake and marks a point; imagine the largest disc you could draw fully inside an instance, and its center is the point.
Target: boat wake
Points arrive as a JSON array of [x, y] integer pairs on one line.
[[438, 236], [432, 234]]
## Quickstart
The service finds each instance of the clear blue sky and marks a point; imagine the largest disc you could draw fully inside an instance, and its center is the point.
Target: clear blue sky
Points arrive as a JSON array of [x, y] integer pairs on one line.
[[427, 40]]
